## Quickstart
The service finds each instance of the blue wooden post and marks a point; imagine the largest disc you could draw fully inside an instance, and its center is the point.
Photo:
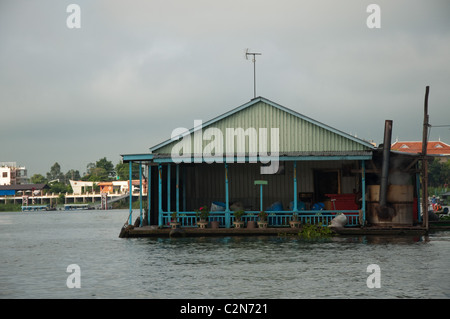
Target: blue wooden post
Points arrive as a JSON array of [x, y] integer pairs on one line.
[[227, 204], [130, 222], [149, 192], [140, 193], [295, 186], [168, 188], [160, 217], [178, 187], [261, 197], [261, 184], [363, 189], [184, 188]]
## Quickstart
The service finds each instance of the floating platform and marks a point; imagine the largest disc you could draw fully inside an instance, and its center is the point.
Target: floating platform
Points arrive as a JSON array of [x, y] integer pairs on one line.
[[76, 206], [31, 208], [154, 231]]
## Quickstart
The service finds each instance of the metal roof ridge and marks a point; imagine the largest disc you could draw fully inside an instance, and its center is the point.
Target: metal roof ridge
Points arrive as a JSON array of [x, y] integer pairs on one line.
[[213, 120], [278, 106]]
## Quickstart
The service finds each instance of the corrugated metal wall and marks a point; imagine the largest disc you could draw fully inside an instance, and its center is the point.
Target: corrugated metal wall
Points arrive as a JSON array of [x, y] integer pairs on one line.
[[206, 183], [296, 134]]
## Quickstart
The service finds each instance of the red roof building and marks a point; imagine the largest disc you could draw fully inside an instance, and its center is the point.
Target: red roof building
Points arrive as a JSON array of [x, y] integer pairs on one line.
[[433, 148]]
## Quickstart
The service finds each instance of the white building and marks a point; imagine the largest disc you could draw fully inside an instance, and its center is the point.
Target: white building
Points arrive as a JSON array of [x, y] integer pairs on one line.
[[80, 187], [10, 174]]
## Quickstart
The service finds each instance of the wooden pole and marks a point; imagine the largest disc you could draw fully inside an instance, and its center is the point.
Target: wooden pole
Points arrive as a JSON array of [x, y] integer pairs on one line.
[[425, 161]]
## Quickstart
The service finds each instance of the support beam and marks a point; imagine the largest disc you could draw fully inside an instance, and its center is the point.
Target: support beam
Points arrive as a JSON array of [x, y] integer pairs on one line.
[[168, 188], [363, 191], [130, 191], [261, 183], [178, 187], [295, 187], [227, 204], [140, 194], [149, 193], [160, 211], [184, 188], [425, 161]]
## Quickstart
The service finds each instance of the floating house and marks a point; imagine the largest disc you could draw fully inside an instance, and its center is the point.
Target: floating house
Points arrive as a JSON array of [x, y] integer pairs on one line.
[[259, 156]]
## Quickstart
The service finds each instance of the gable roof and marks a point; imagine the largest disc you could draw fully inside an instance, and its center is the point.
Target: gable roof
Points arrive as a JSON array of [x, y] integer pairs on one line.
[[433, 147], [298, 133]]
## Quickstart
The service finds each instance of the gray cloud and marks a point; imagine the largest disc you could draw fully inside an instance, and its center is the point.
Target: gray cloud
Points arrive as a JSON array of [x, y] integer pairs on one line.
[[137, 70]]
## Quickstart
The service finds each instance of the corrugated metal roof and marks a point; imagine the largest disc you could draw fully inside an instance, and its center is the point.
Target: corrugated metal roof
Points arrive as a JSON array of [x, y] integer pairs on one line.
[[297, 133]]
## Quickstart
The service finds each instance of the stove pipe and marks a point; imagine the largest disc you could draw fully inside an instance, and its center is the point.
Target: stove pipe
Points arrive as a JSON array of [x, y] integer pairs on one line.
[[385, 167]]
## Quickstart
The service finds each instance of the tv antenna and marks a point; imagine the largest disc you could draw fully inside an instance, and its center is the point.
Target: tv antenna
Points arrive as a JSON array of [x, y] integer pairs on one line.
[[254, 68]]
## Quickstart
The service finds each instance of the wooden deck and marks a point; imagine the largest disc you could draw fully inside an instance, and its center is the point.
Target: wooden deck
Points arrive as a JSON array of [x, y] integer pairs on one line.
[[154, 231]]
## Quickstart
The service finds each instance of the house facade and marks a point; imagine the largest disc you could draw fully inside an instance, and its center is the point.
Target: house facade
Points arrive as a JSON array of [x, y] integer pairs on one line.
[[258, 156], [11, 174]]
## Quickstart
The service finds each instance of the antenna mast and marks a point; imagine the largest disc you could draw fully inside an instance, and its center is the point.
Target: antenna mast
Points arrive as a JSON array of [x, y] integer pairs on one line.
[[254, 68]]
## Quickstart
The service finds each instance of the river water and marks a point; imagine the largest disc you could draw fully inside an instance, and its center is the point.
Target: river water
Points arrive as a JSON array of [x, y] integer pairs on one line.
[[36, 249]]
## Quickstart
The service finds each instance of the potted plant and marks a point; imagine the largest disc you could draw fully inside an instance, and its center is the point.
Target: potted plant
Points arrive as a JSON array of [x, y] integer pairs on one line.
[[174, 220], [238, 223], [251, 223], [202, 213], [294, 222], [262, 223]]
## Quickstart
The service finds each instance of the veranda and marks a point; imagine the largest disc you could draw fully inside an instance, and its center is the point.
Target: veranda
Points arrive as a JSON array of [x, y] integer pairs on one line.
[[302, 182]]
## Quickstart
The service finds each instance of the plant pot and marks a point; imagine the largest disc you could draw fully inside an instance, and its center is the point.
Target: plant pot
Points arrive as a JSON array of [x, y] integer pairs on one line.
[[175, 225], [251, 224], [263, 224], [295, 223], [215, 224], [238, 224], [202, 224]]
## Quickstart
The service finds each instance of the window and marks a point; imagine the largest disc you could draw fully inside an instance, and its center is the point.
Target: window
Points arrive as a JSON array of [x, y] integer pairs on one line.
[[5, 174]]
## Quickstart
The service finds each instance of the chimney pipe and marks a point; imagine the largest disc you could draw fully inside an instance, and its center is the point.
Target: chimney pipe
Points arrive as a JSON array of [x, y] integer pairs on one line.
[[385, 167]]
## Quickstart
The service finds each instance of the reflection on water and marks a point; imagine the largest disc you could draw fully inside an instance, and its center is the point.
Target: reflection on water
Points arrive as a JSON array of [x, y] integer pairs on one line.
[[36, 248]]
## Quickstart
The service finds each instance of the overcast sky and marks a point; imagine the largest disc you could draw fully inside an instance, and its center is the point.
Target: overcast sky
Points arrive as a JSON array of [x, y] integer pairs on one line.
[[136, 70]]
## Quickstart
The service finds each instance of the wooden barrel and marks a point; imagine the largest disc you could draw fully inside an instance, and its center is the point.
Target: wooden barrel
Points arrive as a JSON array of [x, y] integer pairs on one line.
[[399, 197]]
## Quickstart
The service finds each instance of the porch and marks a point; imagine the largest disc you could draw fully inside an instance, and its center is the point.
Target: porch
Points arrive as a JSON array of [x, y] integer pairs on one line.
[[295, 190]]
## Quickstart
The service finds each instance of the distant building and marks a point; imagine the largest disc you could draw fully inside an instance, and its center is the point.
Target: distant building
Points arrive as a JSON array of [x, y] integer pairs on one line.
[[11, 174], [23, 190], [434, 148], [80, 187], [114, 187]]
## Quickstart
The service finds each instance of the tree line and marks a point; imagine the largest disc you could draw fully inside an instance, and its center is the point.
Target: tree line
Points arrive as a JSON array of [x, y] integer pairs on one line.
[[439, 173], [99, 171]]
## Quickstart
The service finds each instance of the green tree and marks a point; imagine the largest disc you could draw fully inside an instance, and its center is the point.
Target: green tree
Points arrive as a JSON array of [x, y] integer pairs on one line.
[[55, 173], [38, 179], [107, 166], [59, 187], [100, 171], [72, 175], [123, 171]]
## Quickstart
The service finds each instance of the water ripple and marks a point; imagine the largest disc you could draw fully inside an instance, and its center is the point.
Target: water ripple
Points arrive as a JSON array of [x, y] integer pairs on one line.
[[35, 250]]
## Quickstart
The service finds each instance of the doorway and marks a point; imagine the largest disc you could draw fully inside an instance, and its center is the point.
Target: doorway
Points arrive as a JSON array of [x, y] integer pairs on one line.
[[326, 182]]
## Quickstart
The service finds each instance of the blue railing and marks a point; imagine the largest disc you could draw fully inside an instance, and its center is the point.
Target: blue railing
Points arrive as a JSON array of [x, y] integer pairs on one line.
[[275, 218]]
